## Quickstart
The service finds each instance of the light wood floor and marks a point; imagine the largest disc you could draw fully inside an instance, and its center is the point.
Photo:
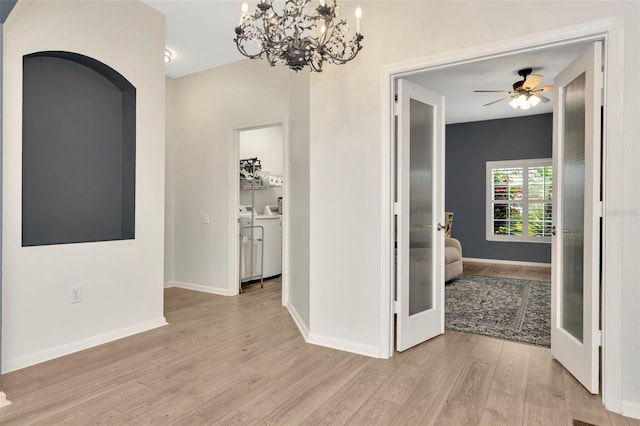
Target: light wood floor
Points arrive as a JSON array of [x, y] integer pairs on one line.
[[535, 273], [241, 360]]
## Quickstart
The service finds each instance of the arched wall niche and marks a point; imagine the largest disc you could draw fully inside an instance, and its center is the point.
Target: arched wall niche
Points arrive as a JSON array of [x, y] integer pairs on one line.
[[78, 151]]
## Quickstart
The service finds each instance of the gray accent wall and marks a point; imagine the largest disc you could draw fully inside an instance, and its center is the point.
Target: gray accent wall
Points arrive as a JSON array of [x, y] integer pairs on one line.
[[468, 148], [78, 151]]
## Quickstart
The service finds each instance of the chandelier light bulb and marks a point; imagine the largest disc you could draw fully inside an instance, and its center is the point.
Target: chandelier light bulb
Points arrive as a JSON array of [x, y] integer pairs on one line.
[[245, 8], [323, 29], [358, 18]]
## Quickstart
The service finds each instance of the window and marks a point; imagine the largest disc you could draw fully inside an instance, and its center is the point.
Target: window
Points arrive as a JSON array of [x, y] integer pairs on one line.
[[519, 196]]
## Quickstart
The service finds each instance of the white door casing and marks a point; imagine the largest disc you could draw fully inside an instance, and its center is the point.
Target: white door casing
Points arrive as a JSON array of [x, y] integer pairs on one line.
[[420, 248], [575, 298]]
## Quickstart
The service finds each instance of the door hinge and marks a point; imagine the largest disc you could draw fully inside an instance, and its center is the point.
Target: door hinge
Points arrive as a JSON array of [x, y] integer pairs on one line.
[[395, 108], [396, 209], [601, 208], [395, 307], [599, 337]]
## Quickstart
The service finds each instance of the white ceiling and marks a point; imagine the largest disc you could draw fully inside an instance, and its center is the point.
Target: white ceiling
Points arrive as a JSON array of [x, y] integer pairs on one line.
[[457, 83], [200, 35]]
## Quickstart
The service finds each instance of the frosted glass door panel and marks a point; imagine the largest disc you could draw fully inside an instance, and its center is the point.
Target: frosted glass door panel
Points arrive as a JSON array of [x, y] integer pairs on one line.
[[421, 235], [420, 202], [573, 190], [577, 210]]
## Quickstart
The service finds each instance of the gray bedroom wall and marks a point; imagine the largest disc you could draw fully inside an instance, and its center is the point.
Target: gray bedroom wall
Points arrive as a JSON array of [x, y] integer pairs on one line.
[[469, 147]]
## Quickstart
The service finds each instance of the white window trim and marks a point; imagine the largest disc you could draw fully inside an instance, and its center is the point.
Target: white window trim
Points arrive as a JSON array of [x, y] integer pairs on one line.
[[490, 236]]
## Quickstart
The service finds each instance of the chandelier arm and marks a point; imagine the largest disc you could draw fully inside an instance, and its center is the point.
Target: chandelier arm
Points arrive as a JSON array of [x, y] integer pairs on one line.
[[288, 38], [354, 51], [239, 45]]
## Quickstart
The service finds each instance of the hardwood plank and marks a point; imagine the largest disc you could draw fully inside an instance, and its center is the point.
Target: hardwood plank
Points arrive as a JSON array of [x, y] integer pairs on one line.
[[505, 403], [466, 400], [544, 401], [534, 273], [303, 393], [226, 360], [375, 411], [338, 409], [235, 418], [582, 405], [400, 385], [429, 397]]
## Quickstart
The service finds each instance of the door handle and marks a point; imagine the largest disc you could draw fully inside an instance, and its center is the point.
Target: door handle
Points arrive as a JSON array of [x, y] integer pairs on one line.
[[553, 231], [440, 227]]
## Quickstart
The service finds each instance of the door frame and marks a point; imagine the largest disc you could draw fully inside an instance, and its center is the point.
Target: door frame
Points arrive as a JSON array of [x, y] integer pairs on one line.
[[611, 32], [234, 202]]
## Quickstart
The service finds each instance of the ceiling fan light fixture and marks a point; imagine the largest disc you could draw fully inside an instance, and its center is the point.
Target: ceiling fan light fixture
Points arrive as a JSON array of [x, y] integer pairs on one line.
[[525, 94], [533, 100], [524, 101], [515, 103]]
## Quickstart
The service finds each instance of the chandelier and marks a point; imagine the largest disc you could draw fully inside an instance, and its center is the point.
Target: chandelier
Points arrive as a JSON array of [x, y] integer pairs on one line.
[[295, 38]]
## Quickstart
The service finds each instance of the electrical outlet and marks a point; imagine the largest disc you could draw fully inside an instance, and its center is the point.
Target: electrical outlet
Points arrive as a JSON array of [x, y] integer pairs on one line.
[[76, 294]]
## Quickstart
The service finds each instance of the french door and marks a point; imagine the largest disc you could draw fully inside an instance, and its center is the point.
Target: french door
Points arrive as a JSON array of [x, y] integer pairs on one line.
[[575, 298], [420, 211]]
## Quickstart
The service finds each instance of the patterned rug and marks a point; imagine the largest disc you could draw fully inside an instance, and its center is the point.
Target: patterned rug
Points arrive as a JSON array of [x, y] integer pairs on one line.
[[505, 308]]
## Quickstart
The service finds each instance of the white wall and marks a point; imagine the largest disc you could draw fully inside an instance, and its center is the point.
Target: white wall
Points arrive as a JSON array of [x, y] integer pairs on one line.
[[122, 280], [208, 106], [345, 163], [267, 145], [170, 178], [298, 202]]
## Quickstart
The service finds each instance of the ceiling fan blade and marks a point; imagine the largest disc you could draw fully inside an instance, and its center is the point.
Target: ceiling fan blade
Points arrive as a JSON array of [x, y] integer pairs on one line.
[[531, 82], [491, 91], [544, 99], [498, 100], [543, 89]]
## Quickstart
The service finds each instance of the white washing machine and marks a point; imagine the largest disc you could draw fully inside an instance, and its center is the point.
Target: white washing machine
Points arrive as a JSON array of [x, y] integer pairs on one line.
[[272, 241]]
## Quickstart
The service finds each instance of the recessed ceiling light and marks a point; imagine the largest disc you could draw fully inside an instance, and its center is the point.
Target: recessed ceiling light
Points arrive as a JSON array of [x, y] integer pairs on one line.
[[167, 56]]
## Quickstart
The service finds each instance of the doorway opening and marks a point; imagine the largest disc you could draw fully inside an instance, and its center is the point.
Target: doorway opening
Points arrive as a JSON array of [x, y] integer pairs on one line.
[[606, 31], [499, 192], [259, 220]]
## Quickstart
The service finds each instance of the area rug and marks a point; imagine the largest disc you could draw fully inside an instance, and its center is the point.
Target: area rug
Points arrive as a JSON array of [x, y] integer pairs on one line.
[[505, 308]]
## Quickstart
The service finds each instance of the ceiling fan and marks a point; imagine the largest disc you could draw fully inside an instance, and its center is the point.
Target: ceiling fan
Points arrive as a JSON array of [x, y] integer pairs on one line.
[[525, 93]]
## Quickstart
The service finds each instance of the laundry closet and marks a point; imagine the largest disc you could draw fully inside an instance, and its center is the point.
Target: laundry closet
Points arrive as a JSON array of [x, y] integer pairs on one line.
[[261, 203]]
